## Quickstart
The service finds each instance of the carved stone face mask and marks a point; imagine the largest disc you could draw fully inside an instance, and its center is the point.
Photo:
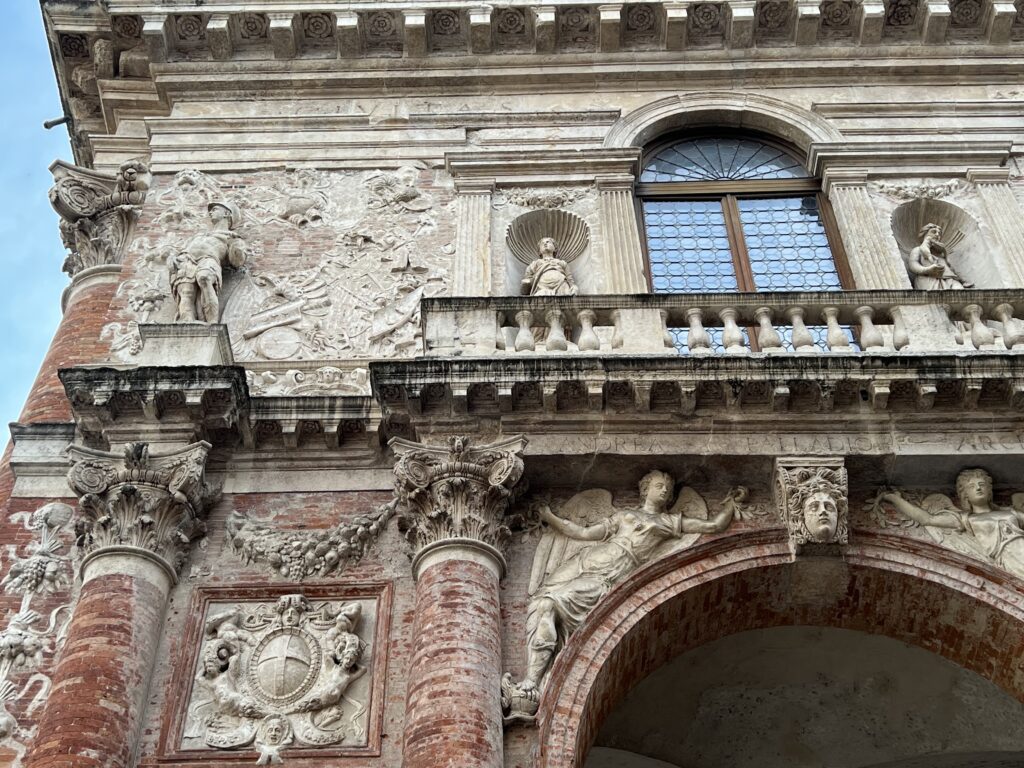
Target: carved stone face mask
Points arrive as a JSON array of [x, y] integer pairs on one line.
[[821, 517]]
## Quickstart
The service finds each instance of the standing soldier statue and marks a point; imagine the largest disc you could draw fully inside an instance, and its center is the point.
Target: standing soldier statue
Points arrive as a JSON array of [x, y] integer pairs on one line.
[[196, 273]]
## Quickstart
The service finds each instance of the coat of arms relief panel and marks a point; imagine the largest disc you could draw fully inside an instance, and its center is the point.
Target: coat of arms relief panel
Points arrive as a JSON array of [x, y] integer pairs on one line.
[[283, 672]]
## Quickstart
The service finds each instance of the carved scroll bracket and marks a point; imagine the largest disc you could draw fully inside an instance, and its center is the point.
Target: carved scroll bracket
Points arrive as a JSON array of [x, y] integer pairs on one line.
[[457, 495], [97, 211], [812, 497], [142, 505]]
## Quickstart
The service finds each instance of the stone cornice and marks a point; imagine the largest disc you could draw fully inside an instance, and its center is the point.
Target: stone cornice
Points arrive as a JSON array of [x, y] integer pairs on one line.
[[537, 167]]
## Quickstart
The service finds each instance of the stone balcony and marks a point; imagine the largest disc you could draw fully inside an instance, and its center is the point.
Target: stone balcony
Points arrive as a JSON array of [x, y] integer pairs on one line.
[[869, 323]]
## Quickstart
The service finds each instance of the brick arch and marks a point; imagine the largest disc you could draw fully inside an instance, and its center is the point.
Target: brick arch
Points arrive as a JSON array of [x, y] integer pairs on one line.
[[906, 589]]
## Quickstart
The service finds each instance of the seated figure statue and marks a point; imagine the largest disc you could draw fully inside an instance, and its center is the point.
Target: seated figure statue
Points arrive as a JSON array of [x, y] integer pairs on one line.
[[548, 275], [929, 269]]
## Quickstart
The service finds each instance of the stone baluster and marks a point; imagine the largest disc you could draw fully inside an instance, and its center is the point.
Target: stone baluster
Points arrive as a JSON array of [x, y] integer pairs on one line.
[[138, 514], [801, 338], [1005, 218], [623, 255], [1013, 329], [452, 503], [874, 256], [981, 335], [732, 336], [556, 341], [835, 336], [900, 336], [471, 268], [588, 341], [870, 337], [617, 337], [670, 342], [524, 338], [768, 339], [697, 339], [499, 331]]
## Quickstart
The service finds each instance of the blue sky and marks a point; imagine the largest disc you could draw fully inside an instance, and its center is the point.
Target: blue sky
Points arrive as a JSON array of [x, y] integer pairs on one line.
[[32, 253]]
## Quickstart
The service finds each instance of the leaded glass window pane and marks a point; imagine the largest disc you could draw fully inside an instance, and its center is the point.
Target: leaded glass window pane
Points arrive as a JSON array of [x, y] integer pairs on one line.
[[688, 246], [787, 245], [712, 159]]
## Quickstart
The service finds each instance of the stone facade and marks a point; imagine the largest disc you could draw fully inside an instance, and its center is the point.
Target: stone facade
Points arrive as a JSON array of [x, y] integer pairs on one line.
[[365, 440]]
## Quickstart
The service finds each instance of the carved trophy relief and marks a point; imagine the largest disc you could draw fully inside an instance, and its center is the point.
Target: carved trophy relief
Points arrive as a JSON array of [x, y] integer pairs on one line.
[[589, 546], [284, 675], [324, 265], [40, 569], [972, 524]]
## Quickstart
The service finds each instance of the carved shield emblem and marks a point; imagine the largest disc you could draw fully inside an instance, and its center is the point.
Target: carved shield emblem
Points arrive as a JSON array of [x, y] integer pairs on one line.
[[285, 665]]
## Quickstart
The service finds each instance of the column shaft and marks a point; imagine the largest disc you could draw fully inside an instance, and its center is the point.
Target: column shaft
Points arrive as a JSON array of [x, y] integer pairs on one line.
[[623, 254], [76, 342], [93, 715], [454, 707]]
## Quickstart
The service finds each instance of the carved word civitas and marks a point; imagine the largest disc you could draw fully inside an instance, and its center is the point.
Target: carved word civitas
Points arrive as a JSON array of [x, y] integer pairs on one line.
[[41, 569], [297, 555], [282, 675], [972, 524], [97, 211], [811, 495]]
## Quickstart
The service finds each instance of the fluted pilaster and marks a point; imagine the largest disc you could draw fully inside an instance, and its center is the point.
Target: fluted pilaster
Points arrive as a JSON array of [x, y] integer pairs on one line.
[[623, 254], [1005, 218], [874, 259], [472, 265]]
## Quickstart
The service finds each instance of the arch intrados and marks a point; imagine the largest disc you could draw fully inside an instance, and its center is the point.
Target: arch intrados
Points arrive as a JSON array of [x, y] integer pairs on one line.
[[745, 112], [964, 611]]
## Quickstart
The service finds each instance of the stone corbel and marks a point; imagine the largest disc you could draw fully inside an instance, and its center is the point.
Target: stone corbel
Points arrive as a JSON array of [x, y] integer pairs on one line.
[[812, 499], [97, 211], [456, 497], [138, 504]]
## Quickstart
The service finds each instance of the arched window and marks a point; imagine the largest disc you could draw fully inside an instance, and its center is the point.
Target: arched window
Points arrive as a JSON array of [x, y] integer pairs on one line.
[[736, 213]]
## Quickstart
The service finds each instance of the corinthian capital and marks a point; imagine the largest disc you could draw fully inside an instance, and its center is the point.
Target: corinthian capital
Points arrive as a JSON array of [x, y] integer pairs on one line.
[[457, 494], [97, 211], [137, 503]]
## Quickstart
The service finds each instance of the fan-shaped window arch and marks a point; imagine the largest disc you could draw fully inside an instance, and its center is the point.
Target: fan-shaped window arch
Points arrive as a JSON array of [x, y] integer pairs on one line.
[[727, 212]]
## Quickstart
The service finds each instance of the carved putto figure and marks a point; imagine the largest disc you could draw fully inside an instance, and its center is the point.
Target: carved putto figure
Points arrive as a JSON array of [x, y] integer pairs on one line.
[[548, 275], [929, 268], [196, 273], [281, 674], [974, 526], [587, 550]]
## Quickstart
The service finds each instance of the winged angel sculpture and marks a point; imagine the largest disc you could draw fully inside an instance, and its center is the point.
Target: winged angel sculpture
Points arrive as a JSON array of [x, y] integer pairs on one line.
[[586, 551], [974, 526]]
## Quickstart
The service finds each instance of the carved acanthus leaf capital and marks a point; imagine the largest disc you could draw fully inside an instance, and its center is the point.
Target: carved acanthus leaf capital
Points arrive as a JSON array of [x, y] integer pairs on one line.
[[151, 504], [812, 498], [457, 493], [97, 211]]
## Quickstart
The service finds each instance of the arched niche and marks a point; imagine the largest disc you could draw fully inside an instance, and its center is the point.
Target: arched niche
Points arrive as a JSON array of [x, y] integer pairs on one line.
[[913, 592], [743, 111], [967, 252], [570, 232]]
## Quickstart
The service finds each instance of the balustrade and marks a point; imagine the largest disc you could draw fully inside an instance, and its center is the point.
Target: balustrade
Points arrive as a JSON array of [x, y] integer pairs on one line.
[[802, 323]]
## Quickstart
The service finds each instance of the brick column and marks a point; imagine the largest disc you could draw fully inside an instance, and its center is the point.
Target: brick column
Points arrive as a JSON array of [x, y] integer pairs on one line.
[[137, 515], [454, 500]]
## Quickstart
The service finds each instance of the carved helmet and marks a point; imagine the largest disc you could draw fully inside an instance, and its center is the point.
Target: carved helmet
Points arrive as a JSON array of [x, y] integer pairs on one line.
[[236, 215]]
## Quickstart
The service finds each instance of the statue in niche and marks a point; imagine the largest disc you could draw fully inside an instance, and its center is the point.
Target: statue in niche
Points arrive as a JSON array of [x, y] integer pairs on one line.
[[587, 550], [928, 265], [548, 275], [196, 273], [974, 526]]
